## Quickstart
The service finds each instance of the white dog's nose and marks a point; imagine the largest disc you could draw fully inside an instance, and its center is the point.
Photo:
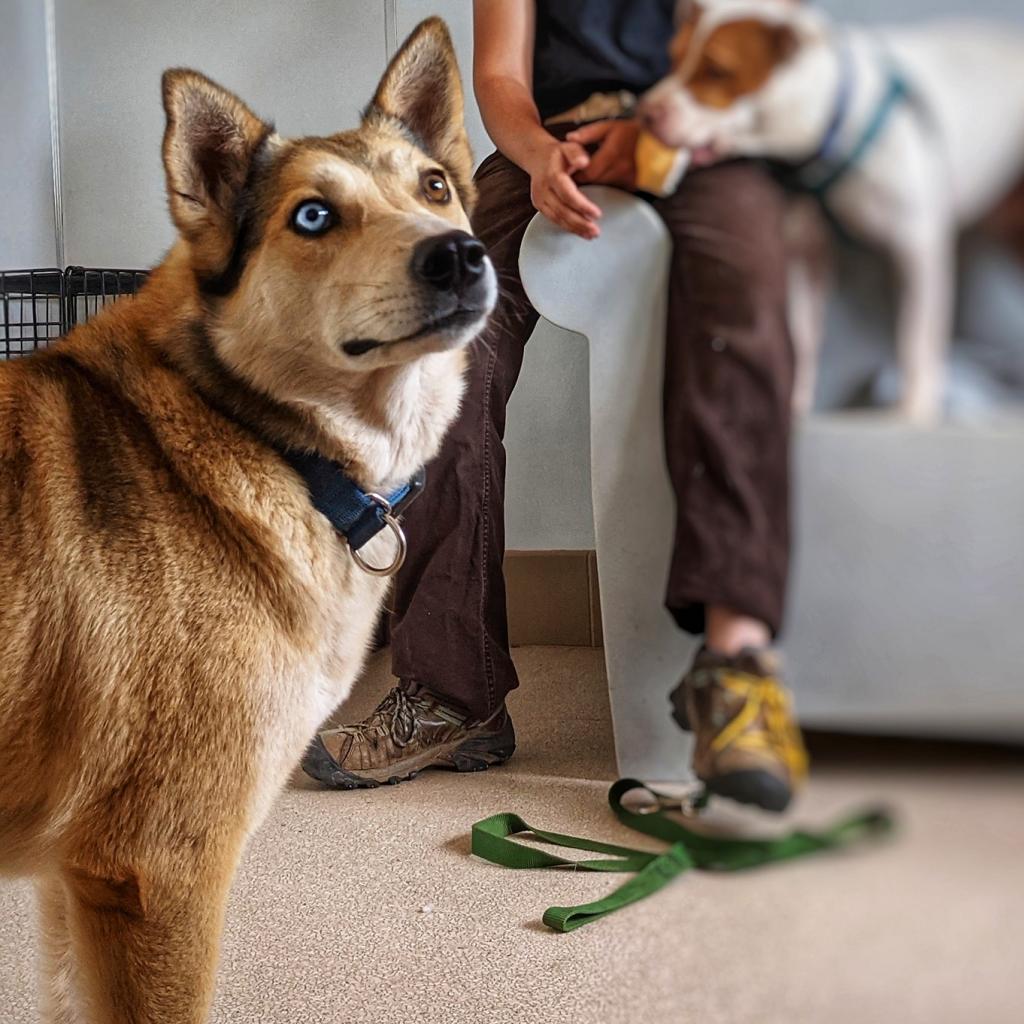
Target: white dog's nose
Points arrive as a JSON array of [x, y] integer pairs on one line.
[[663, 113], [649, 111]]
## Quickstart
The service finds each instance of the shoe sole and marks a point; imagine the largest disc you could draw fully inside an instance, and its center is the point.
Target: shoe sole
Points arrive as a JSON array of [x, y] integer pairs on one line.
[[476, 754], [752, 787]]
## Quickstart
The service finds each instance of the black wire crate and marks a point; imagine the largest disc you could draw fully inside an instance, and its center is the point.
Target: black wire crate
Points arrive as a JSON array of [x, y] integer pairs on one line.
[[33, 310], [41, 305], [88, 290]]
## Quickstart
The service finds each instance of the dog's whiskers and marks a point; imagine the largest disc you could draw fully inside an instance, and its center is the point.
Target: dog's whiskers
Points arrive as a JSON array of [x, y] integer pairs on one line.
[[389, 314]]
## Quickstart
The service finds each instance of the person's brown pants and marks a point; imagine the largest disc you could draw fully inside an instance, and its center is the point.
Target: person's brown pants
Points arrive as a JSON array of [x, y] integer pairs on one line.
[[728, 378]]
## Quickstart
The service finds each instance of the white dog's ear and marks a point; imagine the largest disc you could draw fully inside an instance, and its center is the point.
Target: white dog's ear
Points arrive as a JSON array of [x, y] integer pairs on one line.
[[687, 16], [422, 89], [810, 23], [209, 144], [687, 12]]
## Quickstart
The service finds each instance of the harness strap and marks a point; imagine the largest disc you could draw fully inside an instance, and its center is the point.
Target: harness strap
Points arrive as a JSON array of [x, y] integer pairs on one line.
[[841, 107], [491, 840], [896, 92], [818, 174]]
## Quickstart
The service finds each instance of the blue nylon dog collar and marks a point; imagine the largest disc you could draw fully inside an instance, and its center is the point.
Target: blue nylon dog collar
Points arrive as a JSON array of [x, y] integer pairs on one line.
[[840, 108], [355, 514]]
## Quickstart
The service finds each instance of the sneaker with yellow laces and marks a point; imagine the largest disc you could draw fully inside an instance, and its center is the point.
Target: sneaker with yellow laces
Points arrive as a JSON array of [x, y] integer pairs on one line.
[[748, 745]]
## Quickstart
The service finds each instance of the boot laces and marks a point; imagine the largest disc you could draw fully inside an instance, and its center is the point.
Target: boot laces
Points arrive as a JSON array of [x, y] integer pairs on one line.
[[762, 695], [395, 715]]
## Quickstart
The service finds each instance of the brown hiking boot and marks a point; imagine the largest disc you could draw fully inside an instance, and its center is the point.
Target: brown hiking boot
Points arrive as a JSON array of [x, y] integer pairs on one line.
[[748, 746], [411, 730]]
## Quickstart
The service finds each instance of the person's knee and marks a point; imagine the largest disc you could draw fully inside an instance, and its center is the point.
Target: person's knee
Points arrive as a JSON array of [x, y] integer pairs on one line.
[[729, 245], [736, 205]]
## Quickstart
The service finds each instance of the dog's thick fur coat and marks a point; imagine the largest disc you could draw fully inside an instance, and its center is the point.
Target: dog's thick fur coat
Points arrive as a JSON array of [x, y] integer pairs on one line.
[[178, 617]]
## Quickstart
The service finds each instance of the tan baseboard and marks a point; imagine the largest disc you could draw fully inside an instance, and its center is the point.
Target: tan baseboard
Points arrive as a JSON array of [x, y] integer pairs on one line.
[[553, 598]]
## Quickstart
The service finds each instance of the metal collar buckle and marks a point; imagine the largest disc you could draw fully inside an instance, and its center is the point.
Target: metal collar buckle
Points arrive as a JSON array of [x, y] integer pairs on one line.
[[387, 514]]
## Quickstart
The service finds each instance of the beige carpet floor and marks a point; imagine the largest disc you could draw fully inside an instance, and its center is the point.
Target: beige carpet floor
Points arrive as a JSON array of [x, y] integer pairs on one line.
[[326, 922]]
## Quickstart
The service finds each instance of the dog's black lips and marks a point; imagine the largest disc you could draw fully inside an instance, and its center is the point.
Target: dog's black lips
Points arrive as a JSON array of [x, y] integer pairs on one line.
[[357, 348], [462, 315]]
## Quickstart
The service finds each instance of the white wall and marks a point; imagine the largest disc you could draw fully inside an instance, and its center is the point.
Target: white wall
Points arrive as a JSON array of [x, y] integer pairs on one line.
[[26, 169], [310, 65]]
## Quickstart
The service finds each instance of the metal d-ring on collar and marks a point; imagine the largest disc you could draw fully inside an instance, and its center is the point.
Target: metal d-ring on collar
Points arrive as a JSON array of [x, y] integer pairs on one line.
[[355, 514], [387, 515]]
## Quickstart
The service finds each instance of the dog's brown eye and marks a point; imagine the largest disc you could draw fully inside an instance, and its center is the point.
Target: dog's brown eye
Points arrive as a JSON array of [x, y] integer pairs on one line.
[[435, 188]]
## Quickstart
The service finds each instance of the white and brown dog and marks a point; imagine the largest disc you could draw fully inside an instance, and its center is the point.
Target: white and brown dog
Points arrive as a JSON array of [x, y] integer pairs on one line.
[[906, 133]]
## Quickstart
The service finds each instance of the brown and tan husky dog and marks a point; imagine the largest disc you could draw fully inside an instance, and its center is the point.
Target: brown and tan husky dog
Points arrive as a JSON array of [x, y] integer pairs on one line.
[[178, 617]]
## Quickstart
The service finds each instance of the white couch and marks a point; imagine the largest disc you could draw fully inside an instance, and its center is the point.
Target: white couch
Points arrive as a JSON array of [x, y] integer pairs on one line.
[[908, 591]]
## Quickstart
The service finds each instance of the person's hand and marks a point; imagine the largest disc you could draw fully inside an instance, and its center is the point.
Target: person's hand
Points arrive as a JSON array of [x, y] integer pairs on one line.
[[614, 161], [554, 193]]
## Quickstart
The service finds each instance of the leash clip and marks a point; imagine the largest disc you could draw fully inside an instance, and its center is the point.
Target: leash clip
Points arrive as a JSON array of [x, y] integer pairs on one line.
[[387, 515], [689, 806]]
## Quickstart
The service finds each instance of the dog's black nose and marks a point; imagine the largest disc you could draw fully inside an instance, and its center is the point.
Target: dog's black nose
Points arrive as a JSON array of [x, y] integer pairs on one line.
[[451, 262]]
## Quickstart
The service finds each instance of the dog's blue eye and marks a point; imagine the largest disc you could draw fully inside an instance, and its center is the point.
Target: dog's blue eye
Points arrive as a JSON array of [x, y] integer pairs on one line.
[[312, 217]]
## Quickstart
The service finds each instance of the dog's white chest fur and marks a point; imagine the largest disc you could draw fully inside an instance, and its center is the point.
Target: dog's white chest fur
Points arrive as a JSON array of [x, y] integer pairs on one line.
[[301, 689]]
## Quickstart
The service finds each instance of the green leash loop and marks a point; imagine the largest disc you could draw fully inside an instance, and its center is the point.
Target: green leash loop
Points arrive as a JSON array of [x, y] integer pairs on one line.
[[491, 840]]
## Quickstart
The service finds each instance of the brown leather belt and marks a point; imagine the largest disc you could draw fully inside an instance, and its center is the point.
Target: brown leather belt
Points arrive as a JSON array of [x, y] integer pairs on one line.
[[597, 106]]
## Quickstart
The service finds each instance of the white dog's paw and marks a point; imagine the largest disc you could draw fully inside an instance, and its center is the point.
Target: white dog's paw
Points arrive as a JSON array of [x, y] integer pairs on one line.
[[921, 410], [803, 401]]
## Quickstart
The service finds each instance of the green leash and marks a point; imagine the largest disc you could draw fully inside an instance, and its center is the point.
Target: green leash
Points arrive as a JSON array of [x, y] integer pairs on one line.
[[653, 871]]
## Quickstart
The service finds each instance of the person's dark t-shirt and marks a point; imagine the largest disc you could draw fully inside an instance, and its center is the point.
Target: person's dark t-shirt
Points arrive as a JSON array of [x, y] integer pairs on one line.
[[588, 46]]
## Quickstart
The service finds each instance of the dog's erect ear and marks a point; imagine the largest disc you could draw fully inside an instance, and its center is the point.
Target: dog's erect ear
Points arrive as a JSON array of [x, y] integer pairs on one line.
[[687, 12], [687, 17], [210, 141], [422, 89]]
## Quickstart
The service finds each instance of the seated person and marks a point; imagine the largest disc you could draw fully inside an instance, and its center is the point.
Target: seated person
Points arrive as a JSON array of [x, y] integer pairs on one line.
[[555, 82]]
